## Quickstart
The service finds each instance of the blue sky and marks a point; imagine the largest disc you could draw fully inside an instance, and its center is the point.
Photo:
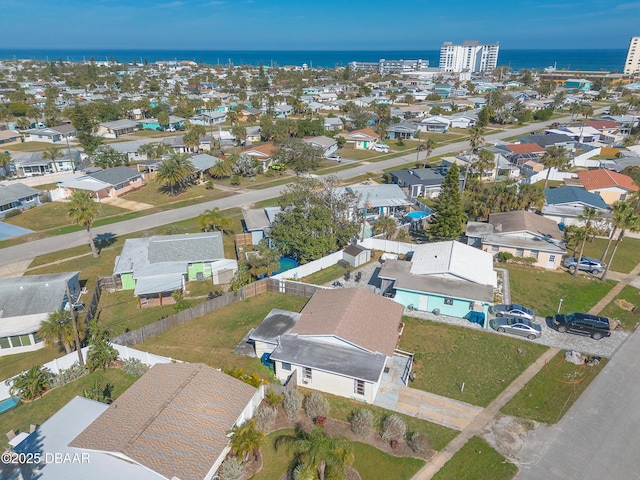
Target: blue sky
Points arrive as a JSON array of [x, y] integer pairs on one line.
[[317, 25]]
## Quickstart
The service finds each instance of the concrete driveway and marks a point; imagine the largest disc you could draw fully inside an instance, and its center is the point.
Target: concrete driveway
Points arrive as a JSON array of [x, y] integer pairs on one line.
[[599, 437]]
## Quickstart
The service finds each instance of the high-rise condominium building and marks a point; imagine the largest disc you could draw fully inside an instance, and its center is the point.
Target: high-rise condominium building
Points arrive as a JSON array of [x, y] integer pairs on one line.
[[470, 56], [632, 65]]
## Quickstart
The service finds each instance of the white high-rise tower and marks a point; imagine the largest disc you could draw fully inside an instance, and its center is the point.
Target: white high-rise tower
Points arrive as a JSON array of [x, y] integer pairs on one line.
[[470, 56], [632, 65]]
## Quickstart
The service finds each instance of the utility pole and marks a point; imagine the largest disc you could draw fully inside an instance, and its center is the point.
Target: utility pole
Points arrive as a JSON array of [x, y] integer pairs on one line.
[[75, 325]]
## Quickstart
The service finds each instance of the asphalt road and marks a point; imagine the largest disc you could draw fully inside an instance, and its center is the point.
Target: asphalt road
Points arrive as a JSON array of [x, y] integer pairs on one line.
[[27, 251], [599, 437]]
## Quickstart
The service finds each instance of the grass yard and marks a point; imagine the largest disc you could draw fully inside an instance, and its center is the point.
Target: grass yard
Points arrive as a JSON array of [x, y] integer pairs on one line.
[[153, 194], [38, 411], [342, 408], [446, 356], [358, 154], [118, 311], [27, 146], [11, 365], [54, 215], [477, 460], [325, 275], [369, 462], [628, 318], [211, 339], [627, 256], [542, 289], [553, 390]]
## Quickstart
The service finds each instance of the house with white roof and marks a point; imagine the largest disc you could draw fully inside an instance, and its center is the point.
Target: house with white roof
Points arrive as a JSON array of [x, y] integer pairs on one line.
[[328, 146], [109, 183], [439, 279]]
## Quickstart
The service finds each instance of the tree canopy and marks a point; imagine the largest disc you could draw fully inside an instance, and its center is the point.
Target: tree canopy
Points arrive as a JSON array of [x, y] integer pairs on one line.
[[448, 218]]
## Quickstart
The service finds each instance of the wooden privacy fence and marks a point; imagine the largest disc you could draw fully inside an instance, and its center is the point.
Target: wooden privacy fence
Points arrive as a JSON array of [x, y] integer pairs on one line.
[[139, 335]]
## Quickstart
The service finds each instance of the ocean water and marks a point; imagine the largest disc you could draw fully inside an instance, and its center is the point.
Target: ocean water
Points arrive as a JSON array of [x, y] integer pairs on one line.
[[593, 60]]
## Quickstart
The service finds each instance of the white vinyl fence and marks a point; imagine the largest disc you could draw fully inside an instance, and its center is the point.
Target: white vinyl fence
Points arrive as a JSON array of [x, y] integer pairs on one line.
[[62, 363], [311, 267]]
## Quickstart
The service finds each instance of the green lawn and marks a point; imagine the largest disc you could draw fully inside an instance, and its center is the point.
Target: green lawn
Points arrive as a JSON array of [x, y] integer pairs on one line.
[[627, 256], [628, 318], [211, 339], [553, 390], [38, 411], [342, 408], [11, 365], [358, 154], [26, 146], [542, 289], [325, 275], [54, 215], [477, 460], [446, 356], [153, 194], [369, 462]]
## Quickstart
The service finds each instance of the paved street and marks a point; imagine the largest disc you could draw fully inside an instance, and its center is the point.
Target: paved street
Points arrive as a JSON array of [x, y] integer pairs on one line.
[[27, 251], [599, 437]]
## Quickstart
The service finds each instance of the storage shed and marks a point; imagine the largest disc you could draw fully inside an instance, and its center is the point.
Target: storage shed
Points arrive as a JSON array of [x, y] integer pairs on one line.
[[356, 255]]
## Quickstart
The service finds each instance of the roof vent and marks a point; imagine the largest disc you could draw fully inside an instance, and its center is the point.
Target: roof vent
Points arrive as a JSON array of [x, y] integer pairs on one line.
[[21, 287]]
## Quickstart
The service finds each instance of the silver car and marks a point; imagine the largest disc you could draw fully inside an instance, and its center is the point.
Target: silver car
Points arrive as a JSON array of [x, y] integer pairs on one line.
[[587, 264], [512, 310], [516, 326]]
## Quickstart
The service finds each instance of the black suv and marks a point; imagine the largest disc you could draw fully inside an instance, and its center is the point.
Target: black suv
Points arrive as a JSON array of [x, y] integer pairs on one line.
[[583, 324]]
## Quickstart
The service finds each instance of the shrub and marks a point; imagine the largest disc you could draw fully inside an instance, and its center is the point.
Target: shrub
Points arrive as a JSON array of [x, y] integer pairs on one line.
[[529, 261], [394, 428], [316, 405], [31, 383], [99, 392], [232, 469], [265, 417], [362, 422], [209, 185], [100, 355], [504, 257], [419, 443], [134, 367], [292, 402], [69, 374], [272, 398], [235, 180], [13, 213]]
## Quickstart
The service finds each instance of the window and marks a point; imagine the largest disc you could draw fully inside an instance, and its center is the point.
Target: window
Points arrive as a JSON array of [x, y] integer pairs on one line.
[[286, 367], [358, 387], [448, 301], [519, 252], [534, 254], [306, 375], [552, 258], [4, 342]]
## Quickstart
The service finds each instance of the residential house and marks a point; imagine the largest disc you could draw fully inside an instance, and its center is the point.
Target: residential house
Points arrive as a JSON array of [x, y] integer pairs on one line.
[[434, 124], [546, 140], [520, 153], [333, 124], [9, 136], [581, 134], [403, 130], [262, 154], [155, 267], [522, 234], [175, 404], [117, 128], [202, 163], [25, 302], [612, 186], [35, 165], [257, 222], [376, 200], [109, 183], [175, 122], [362, 139], [250, 112], [208, 119], [327, 146], [282, 111], [58, 134], [339, 344], [438, 279], [421, 182], [253, 134], [17, 196], [566, 205]]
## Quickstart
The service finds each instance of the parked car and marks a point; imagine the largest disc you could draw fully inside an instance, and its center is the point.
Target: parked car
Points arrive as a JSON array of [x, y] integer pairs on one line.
[[380, 147], [516, 326], [583, 324], [335, 158], [512, 310], [587, 264]]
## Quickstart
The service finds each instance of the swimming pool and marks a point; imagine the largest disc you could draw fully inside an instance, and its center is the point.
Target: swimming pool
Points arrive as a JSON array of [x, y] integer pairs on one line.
[[8, 403], [416, 215], [285, 264]]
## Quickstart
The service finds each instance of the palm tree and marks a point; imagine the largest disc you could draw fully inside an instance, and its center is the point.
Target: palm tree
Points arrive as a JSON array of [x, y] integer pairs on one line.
[[52, 153], [214, 219], [58, 328], [573, 236], [428, 146], [619, 210], [328, 457], [32, 383], [246, 439], [5, 161], [386, 225], [476, 140], [148, 149], [220, 169], [554, 157], [627, 219], [484, 162], [174, 171], [589, 215], [83, 210]]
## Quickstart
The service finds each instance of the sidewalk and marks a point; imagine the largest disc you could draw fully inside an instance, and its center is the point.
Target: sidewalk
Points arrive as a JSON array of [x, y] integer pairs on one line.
[[479, 422]]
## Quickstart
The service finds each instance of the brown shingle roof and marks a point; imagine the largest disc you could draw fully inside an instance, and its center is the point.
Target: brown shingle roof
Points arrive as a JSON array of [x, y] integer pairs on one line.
[[521, 148], [355, 315], [173, 420], [521, 220]]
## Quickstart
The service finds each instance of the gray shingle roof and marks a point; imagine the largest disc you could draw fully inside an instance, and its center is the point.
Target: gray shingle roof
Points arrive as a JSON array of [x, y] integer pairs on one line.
[[116, 175], [557, 196], [14, 192], [33, 294], [276, 323]]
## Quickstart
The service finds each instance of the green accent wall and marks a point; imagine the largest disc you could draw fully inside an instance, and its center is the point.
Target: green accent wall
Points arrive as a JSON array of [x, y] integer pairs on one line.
[[196, 268], [128, 283]]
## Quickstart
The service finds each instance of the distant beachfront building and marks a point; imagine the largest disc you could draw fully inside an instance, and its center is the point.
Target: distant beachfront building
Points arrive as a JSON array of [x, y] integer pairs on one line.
[[632, 65], [392, 66], [470, 56]]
